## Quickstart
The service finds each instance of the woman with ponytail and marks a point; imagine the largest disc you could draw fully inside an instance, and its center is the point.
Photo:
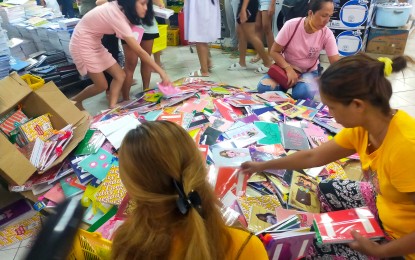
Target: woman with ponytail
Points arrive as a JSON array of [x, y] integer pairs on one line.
[[357, 93], [297, 48], [177, 214]]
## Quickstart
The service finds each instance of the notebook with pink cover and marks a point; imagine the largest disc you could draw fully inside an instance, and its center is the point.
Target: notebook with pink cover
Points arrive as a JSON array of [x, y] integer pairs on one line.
[[138, 32], [55, 194], [194, 104], [289, 245]]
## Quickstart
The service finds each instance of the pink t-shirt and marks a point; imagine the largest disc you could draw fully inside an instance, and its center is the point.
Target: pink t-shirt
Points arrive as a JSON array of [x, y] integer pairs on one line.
[[304, 48], [104, 19]]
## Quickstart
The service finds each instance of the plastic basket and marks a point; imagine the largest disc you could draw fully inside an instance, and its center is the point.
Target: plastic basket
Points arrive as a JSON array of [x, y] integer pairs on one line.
[[172, 37], [160, 43], [90, 246], [33, 81]]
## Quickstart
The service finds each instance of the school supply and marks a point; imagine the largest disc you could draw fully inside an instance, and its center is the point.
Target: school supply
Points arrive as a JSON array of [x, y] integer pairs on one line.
[[14, 211], [98, 164], [335, 227], [303, 193], [293, 138], [12, 120], [230, 156], [111, 190], [274, 96], [39, 127], [289, 245]]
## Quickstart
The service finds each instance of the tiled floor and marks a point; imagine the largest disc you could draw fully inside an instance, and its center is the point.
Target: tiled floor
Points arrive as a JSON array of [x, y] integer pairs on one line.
[[179, 62]]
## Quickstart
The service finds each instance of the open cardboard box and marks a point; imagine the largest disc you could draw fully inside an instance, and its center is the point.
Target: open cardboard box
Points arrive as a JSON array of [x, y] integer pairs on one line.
[[14, 167]]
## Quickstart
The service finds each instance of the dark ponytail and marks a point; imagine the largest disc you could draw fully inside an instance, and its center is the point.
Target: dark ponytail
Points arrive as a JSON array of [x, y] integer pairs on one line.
[[361, 77], [315, 5], [400, 63]]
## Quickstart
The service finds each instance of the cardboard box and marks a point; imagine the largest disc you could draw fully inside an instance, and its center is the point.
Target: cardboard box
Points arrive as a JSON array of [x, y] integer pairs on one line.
[[351, 14], [14, 167], [387, 41], [349, 42]]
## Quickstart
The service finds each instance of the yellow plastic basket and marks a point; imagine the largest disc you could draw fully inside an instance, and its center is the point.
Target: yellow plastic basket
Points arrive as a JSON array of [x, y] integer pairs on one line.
[[90, 246], [161, 42], [33, 81]]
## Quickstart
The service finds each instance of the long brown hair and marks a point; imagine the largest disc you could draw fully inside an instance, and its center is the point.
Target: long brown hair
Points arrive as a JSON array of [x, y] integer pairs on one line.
[[361, 77], [151, 157]]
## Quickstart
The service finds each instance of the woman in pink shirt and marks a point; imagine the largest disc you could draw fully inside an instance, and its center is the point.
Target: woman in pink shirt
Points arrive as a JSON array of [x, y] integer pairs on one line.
[[91, 57], [308, 36]]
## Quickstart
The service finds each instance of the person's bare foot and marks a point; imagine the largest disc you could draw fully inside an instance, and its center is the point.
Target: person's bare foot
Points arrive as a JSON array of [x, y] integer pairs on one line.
[[78, 105]]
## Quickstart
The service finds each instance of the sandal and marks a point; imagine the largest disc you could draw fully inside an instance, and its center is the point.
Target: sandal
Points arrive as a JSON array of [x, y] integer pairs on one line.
[[197, 73], [236, 66], [255, 59], [261, 69]]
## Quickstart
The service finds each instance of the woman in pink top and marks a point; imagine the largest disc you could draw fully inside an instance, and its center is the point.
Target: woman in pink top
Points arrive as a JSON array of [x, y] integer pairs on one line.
[[308, 36], [91, 57]]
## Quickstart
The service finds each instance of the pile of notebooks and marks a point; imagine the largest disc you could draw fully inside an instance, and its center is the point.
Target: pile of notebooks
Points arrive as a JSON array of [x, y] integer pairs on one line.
[[4, 54], [36, 138], [230, 125]]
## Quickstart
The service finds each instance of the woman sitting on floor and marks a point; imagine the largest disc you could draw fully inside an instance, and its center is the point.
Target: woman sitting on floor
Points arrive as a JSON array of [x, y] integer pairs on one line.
[[305, 37], [357, 94]]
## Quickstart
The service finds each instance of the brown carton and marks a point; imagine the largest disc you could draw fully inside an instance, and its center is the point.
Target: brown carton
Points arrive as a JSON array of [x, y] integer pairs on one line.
[[14, 167], [389, 41]]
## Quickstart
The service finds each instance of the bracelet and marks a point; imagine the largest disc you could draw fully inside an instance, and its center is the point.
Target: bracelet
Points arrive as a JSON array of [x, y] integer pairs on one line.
[[286, 67]]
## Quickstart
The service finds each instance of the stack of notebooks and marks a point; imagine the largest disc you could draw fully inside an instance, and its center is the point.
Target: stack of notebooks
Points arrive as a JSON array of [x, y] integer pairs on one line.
[[230, 126], [37, 138], [4, 54]]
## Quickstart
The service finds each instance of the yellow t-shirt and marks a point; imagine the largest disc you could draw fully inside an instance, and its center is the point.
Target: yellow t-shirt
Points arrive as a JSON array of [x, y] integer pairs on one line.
[[391, 169], [254, 249]]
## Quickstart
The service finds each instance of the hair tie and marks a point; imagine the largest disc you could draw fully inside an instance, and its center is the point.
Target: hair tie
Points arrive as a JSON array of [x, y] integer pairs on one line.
[[184, 203], [387, 70]]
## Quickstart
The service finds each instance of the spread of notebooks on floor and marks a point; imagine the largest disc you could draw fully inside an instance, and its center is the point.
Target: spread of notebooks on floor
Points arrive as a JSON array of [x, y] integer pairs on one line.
[[231, 125]]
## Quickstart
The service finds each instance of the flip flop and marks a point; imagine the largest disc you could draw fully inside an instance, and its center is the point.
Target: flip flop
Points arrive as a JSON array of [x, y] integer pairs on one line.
[[261, 70], [197, 73], [236, 66]]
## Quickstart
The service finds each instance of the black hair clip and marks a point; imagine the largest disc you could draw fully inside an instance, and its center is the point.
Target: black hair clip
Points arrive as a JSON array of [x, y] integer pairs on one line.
[[184, 203]]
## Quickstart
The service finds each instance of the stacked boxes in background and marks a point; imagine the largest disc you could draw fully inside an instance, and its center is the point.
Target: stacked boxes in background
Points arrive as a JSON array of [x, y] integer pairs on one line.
[[349, 23], [389, 33]]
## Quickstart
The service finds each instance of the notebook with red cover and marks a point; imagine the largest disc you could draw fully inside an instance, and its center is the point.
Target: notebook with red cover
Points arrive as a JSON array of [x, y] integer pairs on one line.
[[229, 179], [14, 120], [227, 111], [335, 227]]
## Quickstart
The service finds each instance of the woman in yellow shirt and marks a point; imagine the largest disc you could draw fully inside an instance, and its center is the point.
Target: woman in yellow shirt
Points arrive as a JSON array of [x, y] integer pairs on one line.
[[177, 214], [357, 94]]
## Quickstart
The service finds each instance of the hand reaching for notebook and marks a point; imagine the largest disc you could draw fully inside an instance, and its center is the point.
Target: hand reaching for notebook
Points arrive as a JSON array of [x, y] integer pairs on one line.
[[165, 80], [251, 167]]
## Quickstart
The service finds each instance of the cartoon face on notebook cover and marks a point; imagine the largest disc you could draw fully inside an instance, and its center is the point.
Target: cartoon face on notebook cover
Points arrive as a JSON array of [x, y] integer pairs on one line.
[[260, 218], [98, 164], [230, 156]]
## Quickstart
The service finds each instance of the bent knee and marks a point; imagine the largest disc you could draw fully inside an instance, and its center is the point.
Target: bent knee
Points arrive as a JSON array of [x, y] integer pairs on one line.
[[120, 76], [268, 82]]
